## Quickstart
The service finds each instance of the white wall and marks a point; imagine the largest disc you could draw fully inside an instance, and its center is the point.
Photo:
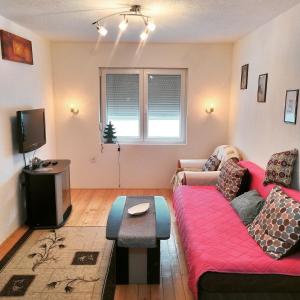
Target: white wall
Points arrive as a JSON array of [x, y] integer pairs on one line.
[[21, 87], [258, 128], [76, 80]]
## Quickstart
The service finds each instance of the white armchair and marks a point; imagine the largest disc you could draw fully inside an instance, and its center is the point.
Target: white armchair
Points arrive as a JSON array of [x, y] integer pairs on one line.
[[190, 172]]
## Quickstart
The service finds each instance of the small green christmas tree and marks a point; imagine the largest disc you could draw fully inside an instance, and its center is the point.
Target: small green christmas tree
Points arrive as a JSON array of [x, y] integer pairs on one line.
[[109, 134]]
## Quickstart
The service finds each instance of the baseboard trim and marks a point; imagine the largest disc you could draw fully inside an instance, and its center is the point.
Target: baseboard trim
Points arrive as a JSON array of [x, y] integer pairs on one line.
[[14, 249], [11, 240]]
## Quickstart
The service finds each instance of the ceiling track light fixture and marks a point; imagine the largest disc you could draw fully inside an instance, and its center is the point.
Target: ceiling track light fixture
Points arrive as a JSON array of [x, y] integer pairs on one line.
[[135, 11]]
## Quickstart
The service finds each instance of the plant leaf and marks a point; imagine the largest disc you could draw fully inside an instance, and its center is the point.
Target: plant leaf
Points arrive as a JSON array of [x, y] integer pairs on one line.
[[69, 289], [51, 285]]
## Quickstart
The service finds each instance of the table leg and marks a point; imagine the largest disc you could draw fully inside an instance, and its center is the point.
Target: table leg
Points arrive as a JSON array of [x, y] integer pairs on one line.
[[153, 265], [138, 265], [122, 267]]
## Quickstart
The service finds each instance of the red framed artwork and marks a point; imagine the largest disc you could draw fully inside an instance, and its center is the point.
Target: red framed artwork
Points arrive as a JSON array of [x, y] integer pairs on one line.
[[16, 48]]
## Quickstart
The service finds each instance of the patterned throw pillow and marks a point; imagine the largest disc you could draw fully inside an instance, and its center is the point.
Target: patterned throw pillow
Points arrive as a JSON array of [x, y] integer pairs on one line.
[[231, 179], [211, 164], [280, 168], [277, 227]]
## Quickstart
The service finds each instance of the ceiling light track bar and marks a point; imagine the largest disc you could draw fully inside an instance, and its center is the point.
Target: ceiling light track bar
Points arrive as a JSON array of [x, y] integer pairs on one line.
[[135, 15], [124, 14], [134, 11], [109, 16]]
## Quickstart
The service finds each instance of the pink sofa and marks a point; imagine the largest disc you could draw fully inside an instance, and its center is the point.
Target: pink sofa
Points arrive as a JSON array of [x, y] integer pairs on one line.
[[221, 256]]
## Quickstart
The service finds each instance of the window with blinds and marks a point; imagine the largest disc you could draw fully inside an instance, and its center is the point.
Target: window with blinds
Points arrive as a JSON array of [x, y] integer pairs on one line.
[[122, 103], [144, 105], [164, 99]]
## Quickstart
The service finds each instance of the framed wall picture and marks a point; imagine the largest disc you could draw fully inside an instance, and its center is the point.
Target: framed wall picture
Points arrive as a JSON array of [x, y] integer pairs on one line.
[[291, 105], [262, 88], [244, 77], [16, 48]]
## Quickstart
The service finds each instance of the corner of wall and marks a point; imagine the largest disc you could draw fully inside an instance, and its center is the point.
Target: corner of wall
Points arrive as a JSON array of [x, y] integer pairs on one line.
[[22, 87]]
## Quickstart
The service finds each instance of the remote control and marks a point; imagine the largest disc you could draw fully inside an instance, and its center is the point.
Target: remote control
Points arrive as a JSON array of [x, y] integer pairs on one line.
[[46, 164]]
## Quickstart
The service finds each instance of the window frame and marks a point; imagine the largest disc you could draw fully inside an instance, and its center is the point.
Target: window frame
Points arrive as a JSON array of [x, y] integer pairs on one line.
[[144, 73]]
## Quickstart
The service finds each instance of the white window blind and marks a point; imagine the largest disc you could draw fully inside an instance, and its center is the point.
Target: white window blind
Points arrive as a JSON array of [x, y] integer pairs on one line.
[[164, 98], [122, 103]]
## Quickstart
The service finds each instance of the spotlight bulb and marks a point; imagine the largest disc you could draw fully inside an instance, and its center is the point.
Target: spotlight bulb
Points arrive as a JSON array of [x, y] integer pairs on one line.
[[102, 30], [151, 26], [144, 35], [123, 25]]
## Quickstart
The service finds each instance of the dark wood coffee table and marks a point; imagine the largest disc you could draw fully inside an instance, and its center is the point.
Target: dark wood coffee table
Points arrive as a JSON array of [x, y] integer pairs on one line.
[[138, 265]]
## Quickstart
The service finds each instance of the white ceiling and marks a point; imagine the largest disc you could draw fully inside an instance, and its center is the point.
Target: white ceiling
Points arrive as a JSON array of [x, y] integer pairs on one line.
[[176, 20]]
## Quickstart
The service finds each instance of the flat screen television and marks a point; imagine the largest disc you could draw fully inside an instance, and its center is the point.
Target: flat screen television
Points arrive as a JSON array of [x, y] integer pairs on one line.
[[31, 129]]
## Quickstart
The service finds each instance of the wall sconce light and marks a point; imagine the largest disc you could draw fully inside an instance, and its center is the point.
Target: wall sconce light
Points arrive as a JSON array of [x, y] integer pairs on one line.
[[74, 110], [210, 108]]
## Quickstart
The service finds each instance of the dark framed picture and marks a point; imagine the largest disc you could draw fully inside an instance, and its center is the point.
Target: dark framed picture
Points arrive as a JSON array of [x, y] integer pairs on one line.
[[244, 77], [16, 48], [262, 88], [291, 106]]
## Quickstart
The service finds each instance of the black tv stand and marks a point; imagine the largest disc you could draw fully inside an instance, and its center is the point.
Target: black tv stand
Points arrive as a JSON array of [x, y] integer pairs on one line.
[[48, 195]]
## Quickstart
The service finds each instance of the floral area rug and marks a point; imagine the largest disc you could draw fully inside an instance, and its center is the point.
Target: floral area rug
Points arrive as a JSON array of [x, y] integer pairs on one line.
[[65, 263]]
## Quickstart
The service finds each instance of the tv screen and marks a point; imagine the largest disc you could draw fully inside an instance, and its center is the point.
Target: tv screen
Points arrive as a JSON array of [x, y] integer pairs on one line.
[[31, 129]]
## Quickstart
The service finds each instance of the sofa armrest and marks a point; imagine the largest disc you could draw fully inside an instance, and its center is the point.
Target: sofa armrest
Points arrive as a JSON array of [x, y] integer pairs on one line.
[[201, 178], [191, 163]]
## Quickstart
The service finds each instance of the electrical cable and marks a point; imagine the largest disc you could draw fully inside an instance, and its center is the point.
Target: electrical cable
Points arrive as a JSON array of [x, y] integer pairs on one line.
[[119, 164], [24, 157], [33, 155], [101, 137]]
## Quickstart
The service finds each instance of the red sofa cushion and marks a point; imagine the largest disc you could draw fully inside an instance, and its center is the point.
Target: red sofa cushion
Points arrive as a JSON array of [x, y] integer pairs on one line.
[[215, 239]]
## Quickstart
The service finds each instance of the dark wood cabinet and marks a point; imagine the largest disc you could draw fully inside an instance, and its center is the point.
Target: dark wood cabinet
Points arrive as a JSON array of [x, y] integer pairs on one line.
[[48, 195]]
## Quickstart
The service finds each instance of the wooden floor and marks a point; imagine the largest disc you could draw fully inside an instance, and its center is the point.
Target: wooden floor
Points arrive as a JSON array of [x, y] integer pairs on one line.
[[91, 207]]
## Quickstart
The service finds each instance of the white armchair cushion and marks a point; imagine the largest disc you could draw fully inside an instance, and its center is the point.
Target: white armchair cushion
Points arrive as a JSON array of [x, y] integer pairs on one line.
[[192, 163], [201, 178]]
